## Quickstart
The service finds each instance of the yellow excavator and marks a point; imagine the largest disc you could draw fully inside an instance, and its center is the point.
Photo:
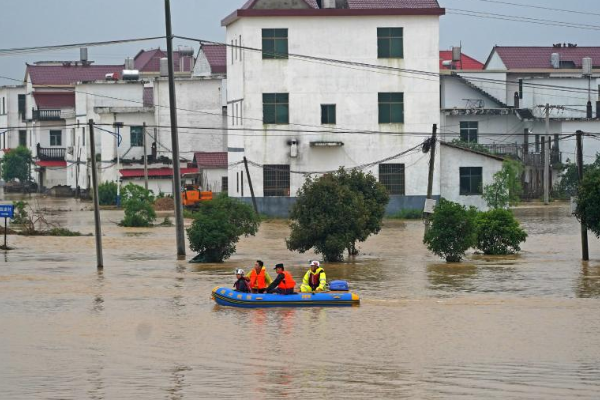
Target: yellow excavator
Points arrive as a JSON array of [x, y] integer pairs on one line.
[[192, 193]]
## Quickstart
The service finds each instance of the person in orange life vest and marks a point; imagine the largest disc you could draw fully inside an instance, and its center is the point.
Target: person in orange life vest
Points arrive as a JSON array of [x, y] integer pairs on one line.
[[259, 278], [284, 283], [241, 285]]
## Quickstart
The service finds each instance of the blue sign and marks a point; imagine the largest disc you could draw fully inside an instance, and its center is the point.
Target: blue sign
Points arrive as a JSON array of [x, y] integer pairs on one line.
[[7, 211]]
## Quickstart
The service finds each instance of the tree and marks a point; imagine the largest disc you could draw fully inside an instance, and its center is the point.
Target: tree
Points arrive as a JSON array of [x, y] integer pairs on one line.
[[16, 165], [334, 212], [588, 201], [498, 232], [569, 178], [218, 224], [137, 202], [452, 231], [107, 194], [506, 190]]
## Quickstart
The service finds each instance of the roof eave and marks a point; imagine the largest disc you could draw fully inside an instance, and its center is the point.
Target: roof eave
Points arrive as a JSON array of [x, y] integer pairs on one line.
[[334, 12]]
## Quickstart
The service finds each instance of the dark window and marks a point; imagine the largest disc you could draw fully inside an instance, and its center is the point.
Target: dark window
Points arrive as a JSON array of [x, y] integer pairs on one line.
[[3, 106], [471, 181], [328, 113], [392, 177], [469, 131], [274, 43], [224, 184], [537, 143], [137, 136], [237, 182], [389, 43], [391, 108], [276, 108], [276, 180], [23, 138], [55, 138], [22, 102]]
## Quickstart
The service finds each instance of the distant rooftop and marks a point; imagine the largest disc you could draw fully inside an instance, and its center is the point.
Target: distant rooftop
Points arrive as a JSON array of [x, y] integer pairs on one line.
[[149, 60], [69, 74], [527, 57], [466, 62], [216, 54]]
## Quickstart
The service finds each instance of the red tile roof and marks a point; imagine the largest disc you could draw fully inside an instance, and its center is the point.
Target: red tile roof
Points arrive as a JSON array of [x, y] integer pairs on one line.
[[149, 61], [465, 63], [153, 172], [208, 160], [66, 75], [368, 4], [51, 164], [54, 100], [216, 54], [539, 57], [148, 97]]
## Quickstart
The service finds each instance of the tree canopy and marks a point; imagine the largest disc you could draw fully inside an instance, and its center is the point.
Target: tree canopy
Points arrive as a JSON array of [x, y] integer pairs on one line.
[[588, 201], [16, 164], [506, 190], [137, 202]]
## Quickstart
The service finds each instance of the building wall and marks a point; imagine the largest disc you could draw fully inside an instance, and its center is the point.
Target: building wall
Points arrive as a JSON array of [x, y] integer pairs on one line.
[[213, 179], [11, 118], [493, 83], [353, 90], [455, 94], [452, 160]]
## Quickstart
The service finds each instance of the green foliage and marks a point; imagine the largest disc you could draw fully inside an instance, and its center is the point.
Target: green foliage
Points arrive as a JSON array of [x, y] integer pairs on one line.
[[499, 233], [588, 201], [137, 202], [409, 213], [452, 231], [107, 194], [16, 164], [569, 180], [218, 225], [471, 146], [506, 190], [61, 232], [336, 211], [21, 216]]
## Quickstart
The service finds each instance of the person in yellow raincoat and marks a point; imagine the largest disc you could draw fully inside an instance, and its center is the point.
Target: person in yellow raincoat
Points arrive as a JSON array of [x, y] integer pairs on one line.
[[315, 279]]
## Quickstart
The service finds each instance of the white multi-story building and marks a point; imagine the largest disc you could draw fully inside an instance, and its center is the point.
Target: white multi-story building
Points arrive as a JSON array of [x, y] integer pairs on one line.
[[13, 128], [291, 115]]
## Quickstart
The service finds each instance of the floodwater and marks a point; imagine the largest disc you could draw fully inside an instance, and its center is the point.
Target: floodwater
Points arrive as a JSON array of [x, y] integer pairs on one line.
[[519, 327]]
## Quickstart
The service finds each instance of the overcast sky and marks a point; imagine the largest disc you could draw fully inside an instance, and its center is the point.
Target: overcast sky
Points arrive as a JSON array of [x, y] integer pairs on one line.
[[51, 22]]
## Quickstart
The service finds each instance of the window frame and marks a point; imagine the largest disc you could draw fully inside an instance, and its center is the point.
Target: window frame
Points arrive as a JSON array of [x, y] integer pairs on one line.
[[387, 102], [278, 185], [139, 142], [387, 178], [22, 135], [467, 131], [53, 135], [467, 173], [326, 114], [271, 39], [387, 38], [276, 106]]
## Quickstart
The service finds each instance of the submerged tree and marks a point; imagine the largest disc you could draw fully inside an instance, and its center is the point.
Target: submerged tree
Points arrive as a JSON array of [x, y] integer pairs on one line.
[[137, 202], [217, 227], [588, 201], [16, 164], [498, 232], [335, 211], [506, 190]]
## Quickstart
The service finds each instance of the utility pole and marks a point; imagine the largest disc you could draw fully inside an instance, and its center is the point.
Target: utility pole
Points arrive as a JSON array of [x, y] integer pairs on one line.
[[547, 158], [100, 265], [433, 142], [145, 159], [118, 126], [174, 138], [584, 237], [251, 188]]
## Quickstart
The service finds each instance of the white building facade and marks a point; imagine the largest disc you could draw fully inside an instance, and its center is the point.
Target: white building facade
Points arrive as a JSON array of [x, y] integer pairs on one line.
[[290, 116]]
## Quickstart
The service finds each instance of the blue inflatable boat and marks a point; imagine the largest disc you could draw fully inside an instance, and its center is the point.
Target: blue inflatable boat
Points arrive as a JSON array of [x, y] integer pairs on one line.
[[229, 297]]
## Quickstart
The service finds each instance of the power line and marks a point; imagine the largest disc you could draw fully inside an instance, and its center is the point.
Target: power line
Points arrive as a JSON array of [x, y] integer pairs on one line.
[[539, 7]]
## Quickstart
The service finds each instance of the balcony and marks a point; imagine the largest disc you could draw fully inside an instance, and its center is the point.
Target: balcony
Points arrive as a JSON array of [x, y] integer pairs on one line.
[[537, 159], [50, 153], [47, 115], [517, 152]]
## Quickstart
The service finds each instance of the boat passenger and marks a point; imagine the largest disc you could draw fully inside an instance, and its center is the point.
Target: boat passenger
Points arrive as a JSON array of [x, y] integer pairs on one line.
[[284, 283], [315, 279], [242, 284], [259, 278]]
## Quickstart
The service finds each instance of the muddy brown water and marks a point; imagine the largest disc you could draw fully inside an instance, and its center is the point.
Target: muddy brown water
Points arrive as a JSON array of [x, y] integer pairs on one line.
[[518, 327]]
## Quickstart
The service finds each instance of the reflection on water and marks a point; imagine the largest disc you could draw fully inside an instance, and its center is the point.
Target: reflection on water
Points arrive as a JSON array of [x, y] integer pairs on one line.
[[519, 327]]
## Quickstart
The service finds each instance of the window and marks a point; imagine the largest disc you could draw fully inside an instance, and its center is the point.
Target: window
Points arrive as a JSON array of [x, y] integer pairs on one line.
[[391, 108], [22, 106], [471, 181], [276, 108], [3, 103], [224, 184], [275, 43], [537, 143], [83, 136], [328, 114], [389, 43], [136, 136], [23, 138], [468, 131], [276, 180], [55, 138], [392, 177]]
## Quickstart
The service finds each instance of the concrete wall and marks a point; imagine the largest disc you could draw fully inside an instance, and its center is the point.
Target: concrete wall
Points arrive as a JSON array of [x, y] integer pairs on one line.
[[353, 90], [11, 119], [452, 160]]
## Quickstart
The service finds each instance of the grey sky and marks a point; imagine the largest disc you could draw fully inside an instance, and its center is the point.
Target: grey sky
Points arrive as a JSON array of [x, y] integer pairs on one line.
[[51, 22]]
